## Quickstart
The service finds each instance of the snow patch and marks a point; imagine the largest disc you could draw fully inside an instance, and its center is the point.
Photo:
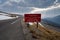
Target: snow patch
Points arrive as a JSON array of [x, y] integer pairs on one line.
[[2, 17]]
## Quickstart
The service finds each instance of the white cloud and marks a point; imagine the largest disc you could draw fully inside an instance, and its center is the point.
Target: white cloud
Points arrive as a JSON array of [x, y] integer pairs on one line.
[[55, 1], [17, 1], [44, 9], [9, 2], [41, 10], [6, 3]]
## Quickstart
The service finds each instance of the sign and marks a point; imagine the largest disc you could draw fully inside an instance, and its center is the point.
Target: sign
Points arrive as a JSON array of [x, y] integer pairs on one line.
[[32, 17]]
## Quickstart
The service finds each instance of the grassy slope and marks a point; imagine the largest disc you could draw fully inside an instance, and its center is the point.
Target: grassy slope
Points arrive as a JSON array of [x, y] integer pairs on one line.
[[42, 33]]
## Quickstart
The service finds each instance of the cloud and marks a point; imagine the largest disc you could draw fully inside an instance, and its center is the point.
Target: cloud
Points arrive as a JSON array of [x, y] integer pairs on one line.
[[17, 1], [55, 1], [39, 3], [31, 3], [10, 2], [31, 6], [45, 9], [51, 11], [5, 4]]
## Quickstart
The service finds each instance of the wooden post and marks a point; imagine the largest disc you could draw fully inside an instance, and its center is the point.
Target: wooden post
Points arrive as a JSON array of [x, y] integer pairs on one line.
[[27, 24], [37, 24]]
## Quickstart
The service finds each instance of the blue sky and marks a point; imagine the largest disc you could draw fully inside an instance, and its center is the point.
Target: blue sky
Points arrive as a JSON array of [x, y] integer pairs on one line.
[[48, 8]]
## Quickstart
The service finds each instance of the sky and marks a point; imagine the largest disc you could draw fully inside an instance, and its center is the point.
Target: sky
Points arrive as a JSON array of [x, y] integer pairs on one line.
[[48, 8]]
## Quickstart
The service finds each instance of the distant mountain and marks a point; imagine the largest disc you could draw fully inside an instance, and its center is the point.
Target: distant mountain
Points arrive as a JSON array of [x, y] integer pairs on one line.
[[3, 12], [55, 21], [11, 14]]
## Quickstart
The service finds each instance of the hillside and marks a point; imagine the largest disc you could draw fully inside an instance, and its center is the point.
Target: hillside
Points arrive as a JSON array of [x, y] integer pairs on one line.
[[40, 33], [55, 21]]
